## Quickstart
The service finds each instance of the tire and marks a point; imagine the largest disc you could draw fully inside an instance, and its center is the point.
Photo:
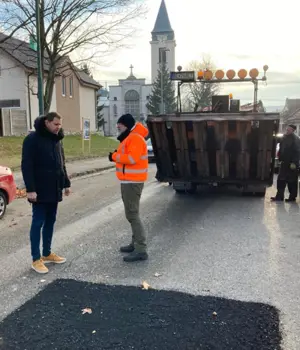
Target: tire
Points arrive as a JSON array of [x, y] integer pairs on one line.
[[192, 190], [3, 204]]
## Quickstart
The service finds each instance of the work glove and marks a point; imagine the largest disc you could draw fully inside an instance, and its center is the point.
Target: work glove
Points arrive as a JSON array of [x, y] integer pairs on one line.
[[110, 156], [293, 166]]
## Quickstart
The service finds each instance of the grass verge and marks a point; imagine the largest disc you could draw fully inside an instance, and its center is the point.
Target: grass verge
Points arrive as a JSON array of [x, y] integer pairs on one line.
[[11, 148]]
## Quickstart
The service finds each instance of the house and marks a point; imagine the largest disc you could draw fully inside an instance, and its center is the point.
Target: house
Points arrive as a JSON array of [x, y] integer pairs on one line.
[[291, 114], [18, 90], [18, 81], [76, 97]]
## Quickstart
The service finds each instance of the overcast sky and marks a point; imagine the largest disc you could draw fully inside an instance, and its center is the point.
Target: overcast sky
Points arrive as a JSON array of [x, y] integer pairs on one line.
[[236, 34]]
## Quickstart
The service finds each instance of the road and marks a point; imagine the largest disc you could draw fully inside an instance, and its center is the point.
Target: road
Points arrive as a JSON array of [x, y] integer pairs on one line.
[[219, 244]]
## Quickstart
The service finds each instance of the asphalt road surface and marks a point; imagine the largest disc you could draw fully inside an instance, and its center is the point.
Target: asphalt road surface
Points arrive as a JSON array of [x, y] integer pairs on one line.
[[210, 244]]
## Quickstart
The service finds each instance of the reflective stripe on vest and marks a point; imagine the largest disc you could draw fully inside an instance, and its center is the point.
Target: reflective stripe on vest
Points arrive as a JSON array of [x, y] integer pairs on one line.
[[131, 159], [131, 171]]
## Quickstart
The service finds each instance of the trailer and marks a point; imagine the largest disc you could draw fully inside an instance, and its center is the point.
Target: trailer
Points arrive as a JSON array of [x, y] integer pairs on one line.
[[223, 146]]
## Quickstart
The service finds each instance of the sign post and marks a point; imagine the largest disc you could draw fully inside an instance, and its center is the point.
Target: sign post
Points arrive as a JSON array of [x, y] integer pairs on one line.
[[86, 133]]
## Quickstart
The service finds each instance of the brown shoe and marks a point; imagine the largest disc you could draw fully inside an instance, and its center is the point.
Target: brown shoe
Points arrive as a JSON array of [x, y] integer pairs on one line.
[[39, 266], [53, 258]]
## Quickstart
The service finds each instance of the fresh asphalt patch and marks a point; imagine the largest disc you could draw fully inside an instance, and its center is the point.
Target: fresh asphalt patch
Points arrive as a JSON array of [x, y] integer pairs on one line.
[[124, 317]]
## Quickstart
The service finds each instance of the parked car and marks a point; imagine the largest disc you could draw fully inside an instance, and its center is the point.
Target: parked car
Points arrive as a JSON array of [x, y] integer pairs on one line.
[[8, 189], [150, 150]]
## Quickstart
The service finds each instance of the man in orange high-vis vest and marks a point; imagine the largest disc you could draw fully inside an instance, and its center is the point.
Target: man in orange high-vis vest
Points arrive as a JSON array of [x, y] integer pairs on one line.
[[131, 160]]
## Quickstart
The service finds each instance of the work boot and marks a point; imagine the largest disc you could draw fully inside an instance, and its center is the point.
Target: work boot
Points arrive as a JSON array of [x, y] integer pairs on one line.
[[127, 248], [290, 199], [136, 256]]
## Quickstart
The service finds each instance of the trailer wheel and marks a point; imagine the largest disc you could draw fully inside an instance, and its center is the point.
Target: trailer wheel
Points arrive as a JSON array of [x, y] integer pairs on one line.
[[180, 188]]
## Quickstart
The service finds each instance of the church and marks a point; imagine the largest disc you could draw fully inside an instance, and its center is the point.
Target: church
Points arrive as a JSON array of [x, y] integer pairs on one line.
[[132, 93]]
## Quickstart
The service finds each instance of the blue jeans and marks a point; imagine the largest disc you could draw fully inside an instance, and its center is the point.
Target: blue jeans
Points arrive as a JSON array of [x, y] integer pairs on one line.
[[43, 219]]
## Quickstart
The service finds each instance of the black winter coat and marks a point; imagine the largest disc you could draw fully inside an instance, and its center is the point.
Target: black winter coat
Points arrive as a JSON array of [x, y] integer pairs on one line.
[[43, 164], [289, 152]]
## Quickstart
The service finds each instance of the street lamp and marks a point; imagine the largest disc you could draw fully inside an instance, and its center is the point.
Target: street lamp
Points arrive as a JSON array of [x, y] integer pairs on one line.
[[39, 58], [162, 107]]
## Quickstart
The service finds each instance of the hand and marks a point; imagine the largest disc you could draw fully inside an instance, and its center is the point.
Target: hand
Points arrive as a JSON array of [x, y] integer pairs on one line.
[[293, 166], [32, 196], [67, 191], [110, 156]]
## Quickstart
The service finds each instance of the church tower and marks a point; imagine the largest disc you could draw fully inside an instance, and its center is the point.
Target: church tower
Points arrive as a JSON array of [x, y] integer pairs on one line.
[[163, 42]]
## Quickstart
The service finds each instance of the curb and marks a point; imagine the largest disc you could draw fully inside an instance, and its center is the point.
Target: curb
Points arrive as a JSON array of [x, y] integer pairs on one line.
[[92, 171], [80, 174]]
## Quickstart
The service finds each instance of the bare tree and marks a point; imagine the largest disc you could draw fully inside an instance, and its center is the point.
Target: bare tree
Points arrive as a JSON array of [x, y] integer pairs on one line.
[[198, 95], [93, 26]]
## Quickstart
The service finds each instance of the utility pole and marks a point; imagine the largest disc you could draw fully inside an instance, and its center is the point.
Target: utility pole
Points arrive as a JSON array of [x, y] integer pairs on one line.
[[39, 58]]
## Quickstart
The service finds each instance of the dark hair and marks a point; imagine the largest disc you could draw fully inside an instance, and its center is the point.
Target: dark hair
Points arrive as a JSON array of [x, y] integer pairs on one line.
[[51, 116]]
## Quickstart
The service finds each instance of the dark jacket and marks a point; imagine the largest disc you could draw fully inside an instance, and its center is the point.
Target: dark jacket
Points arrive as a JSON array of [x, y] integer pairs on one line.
[[289, 150], [43, 164]]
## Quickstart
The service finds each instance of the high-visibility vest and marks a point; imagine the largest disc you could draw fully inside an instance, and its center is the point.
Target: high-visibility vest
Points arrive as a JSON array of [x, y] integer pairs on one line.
[[132, 156]]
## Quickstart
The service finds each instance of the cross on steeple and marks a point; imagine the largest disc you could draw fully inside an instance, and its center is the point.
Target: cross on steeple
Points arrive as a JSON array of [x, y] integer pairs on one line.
[[131, 68]]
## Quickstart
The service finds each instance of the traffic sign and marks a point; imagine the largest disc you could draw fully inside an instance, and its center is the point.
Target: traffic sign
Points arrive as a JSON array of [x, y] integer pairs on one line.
[[183, 76]]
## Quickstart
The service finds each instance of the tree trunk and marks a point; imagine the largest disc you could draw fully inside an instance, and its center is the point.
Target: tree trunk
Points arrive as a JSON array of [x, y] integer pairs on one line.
[[49, 88]]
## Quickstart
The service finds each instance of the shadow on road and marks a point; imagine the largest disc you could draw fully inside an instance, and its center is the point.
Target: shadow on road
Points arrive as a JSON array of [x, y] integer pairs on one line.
[[131, 318]]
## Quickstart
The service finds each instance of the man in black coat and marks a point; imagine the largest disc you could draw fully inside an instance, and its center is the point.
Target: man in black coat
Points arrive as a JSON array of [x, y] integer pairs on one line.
[[45, 178], [289, 156]]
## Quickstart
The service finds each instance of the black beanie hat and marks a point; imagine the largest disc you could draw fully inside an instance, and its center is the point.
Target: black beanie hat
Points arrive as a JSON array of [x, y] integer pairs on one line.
[[127, 120], [292, 126]]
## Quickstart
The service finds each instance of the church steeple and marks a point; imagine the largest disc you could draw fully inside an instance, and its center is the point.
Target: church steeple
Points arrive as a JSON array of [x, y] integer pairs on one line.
[[163, 43], [162, 24]]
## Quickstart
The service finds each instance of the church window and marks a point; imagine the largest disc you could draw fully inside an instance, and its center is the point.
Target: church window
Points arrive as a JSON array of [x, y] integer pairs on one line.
[[162, 55], [115, 111], [132, 103]]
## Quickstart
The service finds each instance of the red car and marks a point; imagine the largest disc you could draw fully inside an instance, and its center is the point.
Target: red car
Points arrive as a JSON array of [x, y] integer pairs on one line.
[[8, 189]]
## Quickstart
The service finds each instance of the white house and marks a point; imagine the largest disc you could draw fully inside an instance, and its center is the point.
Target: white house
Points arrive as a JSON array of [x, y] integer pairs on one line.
[[18, 80], [74, 93]]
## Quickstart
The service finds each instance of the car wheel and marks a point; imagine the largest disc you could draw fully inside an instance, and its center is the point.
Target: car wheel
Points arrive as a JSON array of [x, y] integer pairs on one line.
[[2, 204]]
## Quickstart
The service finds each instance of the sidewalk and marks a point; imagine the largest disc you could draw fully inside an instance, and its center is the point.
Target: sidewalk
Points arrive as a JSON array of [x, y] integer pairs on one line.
[[76, 168]]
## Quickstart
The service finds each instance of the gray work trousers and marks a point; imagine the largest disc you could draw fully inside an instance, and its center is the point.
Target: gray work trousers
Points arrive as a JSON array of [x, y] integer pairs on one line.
[[131, 195]]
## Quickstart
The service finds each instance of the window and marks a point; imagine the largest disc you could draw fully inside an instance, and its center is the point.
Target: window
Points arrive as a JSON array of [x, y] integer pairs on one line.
[[9, 103], [64, 86], [115, 111], [132, 103], [71, 86], [115, 99], [162, 55]]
